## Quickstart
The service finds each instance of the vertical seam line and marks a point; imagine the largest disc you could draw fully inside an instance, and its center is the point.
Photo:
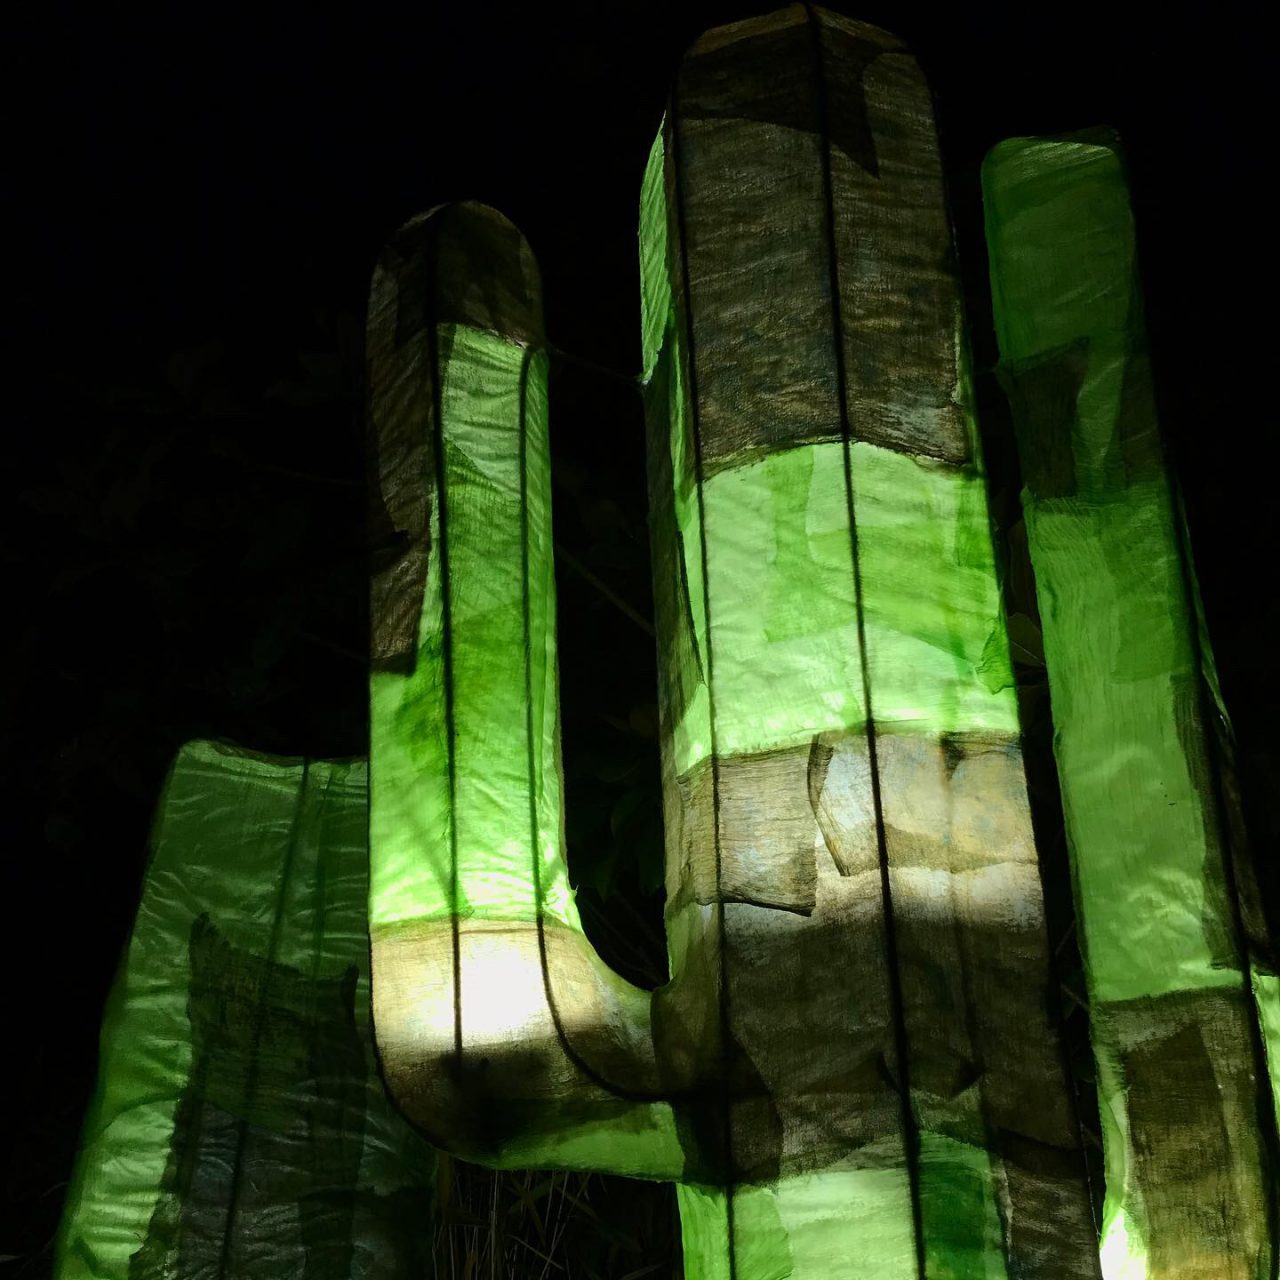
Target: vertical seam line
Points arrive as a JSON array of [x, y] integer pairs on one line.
[[260, 1022], [695, 421], [446, 610], [910, 1132]]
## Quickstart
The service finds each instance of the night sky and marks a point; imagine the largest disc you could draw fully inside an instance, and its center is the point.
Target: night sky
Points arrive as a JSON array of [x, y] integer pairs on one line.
[[200, 194]]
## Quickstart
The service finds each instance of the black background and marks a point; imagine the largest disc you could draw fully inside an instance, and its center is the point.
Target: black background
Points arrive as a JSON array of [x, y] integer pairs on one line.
[[200, 193]]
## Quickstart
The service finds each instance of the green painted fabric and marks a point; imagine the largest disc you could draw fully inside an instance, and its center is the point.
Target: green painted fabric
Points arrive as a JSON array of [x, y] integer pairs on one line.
[[1181, 977], [240, 1127]]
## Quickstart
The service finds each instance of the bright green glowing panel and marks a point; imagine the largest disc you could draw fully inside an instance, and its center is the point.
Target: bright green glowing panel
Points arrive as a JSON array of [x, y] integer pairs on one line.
[[1179, 1072], [463, 826], [240, 1126], [791, 655]]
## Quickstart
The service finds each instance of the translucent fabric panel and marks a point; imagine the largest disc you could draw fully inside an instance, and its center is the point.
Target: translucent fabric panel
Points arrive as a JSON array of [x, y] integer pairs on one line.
[[240, 1126], [451, 821], [1180, 974], [933, 626]]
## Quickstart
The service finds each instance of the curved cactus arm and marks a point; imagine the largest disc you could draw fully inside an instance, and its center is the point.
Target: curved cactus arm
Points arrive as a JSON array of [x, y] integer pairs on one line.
[[501, 1032], [851, 868], [1181, 976]]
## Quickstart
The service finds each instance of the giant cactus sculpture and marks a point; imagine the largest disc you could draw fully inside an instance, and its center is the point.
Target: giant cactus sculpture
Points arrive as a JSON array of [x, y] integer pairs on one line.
[[856, 1068]]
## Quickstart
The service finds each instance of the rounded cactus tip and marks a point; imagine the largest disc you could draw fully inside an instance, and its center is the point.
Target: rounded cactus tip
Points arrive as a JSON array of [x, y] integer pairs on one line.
[[463, 263]]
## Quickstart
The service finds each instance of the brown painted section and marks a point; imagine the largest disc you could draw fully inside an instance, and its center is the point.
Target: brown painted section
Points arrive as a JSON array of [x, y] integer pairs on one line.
[[752, 133], [459, 264]]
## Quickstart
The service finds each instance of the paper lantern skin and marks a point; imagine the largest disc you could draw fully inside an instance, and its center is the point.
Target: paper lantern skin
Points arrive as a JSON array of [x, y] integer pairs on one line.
[[1183, 997], [855, 1070]]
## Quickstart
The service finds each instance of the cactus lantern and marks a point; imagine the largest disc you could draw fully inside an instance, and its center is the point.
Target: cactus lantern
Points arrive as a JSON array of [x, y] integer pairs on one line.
[[854, 1070], [858, 1067]]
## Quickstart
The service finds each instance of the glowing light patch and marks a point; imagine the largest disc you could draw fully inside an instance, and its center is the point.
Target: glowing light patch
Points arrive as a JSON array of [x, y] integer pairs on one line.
[[1121, 1256]]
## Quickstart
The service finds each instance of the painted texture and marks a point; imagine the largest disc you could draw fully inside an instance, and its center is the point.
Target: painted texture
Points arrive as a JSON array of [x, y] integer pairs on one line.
[[1181, 980]]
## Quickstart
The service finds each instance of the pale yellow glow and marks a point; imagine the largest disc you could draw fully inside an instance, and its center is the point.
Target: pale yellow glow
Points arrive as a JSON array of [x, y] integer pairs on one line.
[[1122, 1255], [503, 995]]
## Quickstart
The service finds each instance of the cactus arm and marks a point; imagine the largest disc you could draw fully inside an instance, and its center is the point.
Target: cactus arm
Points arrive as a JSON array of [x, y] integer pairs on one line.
[[239, 1127], [501, 1032], [851, 867], [1180, 974]]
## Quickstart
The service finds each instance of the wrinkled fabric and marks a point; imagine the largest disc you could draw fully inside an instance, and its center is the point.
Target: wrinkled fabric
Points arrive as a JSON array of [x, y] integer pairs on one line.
[[1181, 976]]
